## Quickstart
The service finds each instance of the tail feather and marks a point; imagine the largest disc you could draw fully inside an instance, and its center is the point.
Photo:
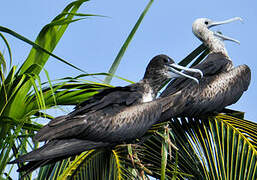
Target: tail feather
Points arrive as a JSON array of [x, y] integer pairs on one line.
[[31, 166], [59, 148]]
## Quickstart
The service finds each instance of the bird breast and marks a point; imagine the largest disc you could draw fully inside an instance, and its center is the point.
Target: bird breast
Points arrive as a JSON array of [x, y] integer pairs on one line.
[[148, 96]]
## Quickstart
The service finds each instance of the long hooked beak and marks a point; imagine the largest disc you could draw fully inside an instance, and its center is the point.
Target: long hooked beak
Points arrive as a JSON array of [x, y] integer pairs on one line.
[[176, 73], [219, 35], [225, 22]]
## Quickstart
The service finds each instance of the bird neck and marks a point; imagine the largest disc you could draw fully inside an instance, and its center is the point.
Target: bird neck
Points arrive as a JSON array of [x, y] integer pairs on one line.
[[154, 84], [215, 44]]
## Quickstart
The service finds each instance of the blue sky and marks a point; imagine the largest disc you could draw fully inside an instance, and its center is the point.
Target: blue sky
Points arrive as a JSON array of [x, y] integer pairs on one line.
[[93, 43]]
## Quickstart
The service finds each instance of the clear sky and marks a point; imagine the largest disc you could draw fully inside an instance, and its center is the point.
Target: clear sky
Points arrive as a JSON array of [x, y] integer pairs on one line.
[[93, 43]]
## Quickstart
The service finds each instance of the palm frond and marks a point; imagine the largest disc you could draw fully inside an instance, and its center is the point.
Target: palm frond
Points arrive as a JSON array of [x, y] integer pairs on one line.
[[16, 87], [8, 48], [219, 147], [98, 164], [117, 60]]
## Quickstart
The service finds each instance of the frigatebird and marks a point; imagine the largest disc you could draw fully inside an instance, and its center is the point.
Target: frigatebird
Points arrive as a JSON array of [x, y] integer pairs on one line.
[[222, 84], [113, 116]]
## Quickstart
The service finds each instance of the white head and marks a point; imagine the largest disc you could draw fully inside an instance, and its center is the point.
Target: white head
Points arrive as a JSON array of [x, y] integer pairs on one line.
[[211, 39]]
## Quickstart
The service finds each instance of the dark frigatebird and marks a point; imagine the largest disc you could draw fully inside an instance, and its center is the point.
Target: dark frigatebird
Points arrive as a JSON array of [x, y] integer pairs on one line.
[[113, 116], [222, 84]]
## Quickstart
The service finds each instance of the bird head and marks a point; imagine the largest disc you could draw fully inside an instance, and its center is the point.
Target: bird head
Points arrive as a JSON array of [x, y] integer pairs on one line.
[[201, 27], [163, 67]]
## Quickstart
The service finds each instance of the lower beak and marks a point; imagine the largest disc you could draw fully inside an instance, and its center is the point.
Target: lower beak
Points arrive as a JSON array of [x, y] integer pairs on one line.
[[219, 35]]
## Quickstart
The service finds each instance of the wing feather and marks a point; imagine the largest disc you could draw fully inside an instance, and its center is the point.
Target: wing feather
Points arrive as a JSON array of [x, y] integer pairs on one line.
[[213, 93], [111, 124]]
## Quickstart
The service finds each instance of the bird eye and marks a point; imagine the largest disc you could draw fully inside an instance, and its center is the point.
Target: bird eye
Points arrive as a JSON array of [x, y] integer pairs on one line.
[[206, 22], [166, 60]]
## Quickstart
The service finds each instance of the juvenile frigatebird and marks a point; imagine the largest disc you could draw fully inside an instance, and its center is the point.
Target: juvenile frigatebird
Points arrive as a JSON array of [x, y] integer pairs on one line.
[[113, 116], [222, 84]]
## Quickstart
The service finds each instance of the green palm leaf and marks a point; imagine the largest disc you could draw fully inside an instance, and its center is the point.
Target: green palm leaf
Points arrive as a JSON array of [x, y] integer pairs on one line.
[[219, 147], [18, 100], [117, 60], [94, 164]]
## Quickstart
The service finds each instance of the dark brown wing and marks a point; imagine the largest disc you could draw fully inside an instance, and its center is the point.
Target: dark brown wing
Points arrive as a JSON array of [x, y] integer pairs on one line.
[[127, 95], [113, 123], [220, 91], [213, 64], [122, 96], [212, 94]]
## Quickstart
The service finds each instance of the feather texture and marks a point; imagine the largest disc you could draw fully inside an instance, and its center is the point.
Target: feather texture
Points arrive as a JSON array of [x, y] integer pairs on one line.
[[221, 86]]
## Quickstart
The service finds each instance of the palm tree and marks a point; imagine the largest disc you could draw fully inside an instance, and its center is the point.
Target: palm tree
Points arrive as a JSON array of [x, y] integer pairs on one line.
[[213, 147]]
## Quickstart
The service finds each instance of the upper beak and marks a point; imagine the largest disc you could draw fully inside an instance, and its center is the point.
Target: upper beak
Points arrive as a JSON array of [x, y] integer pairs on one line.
[[176, 73], [225, 22]]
